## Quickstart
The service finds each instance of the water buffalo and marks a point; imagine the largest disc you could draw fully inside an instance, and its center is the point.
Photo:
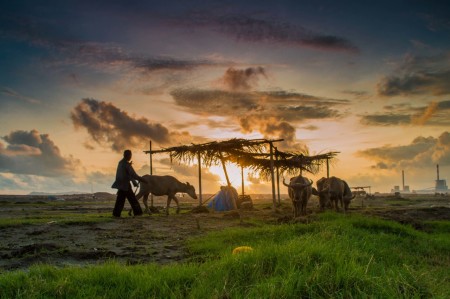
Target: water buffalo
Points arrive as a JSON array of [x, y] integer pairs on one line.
[[333, 191], [164, 185], [299, 189], [324, 200], [348, 196]]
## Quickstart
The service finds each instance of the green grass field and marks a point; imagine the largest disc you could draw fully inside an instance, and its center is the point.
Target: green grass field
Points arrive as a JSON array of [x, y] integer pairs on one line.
[[335, 256]]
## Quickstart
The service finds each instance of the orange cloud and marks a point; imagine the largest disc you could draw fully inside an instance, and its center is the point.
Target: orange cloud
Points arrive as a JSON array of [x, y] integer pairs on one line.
[[242, 80], [427, 114]]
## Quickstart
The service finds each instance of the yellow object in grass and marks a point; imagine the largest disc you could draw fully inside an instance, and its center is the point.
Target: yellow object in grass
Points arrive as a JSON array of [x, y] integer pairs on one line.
[[241, 249]]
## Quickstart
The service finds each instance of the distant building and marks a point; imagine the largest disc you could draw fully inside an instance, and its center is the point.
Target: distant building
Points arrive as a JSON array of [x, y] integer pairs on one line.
[[406, 189], [441, 185], [396, 189]]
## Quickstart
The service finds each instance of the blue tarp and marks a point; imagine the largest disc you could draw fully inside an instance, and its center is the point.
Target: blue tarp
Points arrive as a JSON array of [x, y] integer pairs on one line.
[[224, 200]]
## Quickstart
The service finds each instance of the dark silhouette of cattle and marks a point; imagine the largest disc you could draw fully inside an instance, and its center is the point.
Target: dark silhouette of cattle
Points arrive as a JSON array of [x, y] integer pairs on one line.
[[164, 185], [299, 189], [333, 192], [324, 201]]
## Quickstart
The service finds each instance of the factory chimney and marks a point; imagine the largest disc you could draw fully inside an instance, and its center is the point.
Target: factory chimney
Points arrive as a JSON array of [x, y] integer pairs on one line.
[[437, 170], [403, 180]]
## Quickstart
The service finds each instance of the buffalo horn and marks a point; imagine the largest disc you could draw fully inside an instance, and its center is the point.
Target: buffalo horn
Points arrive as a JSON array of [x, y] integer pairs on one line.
[[300, 185]]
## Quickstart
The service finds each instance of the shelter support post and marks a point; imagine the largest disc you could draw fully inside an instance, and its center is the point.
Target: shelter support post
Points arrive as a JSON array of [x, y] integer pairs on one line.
[[242, 176], [224, 169], [228, 179], [272, 175], [151, 171], [199, 179], [150, 154], [328, 168], [278, 176]]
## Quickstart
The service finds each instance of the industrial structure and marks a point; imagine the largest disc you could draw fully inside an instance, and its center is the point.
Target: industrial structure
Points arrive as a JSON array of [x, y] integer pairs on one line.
[[441, 185], [405, 188]]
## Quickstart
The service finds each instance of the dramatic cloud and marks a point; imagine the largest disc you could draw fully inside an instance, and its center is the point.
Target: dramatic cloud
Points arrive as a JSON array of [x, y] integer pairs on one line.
[[418, 83], [273, 128], [418, 75], [423, 151], [104, 56], [107, 56], [29, 152], [421, 119], [258, 30], [388, 119], [215, 102], [107, 124], [242, 80], [292, 107], [273, 114], [434, 114]]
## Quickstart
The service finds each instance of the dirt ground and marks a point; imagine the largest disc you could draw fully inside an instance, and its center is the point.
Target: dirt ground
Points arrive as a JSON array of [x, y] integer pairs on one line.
[[156, 238]]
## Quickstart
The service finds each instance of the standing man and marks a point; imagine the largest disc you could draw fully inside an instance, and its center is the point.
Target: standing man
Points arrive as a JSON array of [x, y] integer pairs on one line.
[[125, 173]]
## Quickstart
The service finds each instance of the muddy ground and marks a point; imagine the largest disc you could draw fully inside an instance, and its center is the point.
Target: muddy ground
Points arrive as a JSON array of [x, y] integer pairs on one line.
[[155, 238]]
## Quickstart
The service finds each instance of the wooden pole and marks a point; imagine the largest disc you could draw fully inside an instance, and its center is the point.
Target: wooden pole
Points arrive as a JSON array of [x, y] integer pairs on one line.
[[151, 166], [224, 169], [228, 180], [328, 168], [242, 176], [151, 172], [278, 176], [272, 175], [199, 179]]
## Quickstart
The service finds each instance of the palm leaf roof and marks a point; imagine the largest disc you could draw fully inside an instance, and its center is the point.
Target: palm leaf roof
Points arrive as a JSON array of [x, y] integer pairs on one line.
[[249, 153]]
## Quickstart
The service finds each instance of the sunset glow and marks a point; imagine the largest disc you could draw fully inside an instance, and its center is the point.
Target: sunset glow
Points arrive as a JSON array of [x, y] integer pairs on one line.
[[82, 81], [234, 175]]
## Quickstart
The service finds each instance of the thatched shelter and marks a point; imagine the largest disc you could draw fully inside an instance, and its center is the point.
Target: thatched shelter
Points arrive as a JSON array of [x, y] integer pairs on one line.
[[260, 155], [290, 163]]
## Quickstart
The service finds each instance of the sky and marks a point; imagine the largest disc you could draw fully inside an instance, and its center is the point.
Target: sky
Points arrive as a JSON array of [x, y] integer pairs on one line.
[[81, 81]]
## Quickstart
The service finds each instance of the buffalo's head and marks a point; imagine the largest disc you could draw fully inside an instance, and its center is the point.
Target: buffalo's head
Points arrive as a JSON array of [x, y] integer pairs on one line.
[[323, 192], [324, 198], [190, 190], [297, 187]]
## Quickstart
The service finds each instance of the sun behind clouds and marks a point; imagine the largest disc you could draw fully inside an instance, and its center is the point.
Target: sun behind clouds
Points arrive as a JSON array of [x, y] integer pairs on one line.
[[234, 174]]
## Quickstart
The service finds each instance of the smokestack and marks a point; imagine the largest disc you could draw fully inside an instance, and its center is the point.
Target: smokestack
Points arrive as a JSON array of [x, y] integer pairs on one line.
[[403, 180], [437, 170]]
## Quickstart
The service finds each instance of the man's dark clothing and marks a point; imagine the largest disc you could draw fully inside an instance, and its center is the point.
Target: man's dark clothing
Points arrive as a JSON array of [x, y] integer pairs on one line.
[[120, 202], [124, 174]]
